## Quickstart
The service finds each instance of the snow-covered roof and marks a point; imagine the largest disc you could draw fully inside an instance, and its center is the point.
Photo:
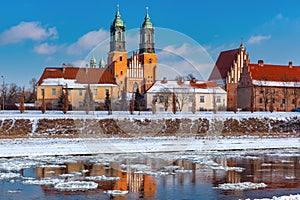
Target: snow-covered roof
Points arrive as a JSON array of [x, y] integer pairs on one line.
[[184, 87], [275, 83], [71, 75], [71, 83]]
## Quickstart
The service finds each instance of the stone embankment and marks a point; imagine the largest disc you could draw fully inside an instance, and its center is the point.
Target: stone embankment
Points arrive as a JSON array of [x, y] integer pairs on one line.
[[183, 127]]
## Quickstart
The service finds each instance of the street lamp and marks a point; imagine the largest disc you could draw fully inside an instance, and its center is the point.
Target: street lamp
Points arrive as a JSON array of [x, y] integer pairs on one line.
[[3, 99]]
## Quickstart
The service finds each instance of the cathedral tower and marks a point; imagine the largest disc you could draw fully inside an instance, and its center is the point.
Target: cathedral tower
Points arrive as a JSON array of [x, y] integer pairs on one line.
[[117, 56], [147, 54]]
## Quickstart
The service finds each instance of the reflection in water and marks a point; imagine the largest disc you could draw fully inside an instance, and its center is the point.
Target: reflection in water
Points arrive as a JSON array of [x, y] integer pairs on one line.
[[159, 177]]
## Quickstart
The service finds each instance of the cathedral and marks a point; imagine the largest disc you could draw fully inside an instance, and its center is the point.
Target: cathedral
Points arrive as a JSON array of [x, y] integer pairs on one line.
[[139, 71]]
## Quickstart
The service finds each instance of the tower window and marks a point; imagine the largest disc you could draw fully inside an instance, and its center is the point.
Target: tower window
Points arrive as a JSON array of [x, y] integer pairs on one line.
[[121, 72], [150, 60], [121, 58]]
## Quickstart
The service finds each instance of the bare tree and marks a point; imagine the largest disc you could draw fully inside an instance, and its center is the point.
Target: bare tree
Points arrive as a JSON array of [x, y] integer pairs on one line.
[[43, 108], [13, 94], [131, 104], [32, 96], [88, 100], [65, 100], [22, 106], [182, 96], [153, 106], [174, 107], [164, 97]]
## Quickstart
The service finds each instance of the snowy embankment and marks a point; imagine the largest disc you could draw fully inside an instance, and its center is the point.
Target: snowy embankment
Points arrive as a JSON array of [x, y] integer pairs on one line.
[[82, 146]]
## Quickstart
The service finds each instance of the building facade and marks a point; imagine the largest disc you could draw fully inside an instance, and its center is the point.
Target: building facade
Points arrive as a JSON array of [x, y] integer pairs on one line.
[[268, 87], [227, 72], [207, 96], [138, 71], [55, 81]]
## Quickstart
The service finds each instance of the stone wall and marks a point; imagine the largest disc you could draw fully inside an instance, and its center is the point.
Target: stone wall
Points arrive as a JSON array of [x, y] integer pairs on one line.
[[68, 127]]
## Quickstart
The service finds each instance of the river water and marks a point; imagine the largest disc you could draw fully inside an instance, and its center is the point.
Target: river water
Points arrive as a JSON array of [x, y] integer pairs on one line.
[[183, 175]]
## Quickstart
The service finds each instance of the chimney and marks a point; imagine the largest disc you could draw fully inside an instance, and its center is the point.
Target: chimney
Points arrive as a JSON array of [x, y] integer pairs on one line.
[[63, 69], [86, 70], [260, 63], [290, 64]]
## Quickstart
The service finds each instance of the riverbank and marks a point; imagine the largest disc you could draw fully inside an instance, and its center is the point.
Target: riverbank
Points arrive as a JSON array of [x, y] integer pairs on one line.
[[86, 146]]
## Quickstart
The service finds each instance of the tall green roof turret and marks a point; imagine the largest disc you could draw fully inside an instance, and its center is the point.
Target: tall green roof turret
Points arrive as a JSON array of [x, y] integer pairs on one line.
[[147, 23], [117, 33], [102, 63], [118, 21], [93, 62]]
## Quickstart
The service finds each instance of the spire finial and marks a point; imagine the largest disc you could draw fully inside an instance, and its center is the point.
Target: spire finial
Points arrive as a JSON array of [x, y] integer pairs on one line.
[[118, 10], [147, 14], [242, 46]]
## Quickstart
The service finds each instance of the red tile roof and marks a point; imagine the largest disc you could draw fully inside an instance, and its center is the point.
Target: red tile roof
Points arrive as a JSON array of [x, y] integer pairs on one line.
[[81, 75], [223, 64], [203, 84], [279, 73]]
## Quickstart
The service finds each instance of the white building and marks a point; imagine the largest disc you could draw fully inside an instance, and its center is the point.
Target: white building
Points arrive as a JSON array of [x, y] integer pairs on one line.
[[207, 96]]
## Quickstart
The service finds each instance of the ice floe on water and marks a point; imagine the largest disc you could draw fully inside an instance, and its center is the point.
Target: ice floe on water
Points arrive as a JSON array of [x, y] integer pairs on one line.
[[53, 166], [101, 178], [9, 175], [76, 185], [43, 181], [290, 197], [241, 186], [238, 169], [116, 192]]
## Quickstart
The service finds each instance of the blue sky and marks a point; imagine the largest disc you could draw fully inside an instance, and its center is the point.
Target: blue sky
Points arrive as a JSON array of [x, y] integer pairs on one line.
[[35, 34]]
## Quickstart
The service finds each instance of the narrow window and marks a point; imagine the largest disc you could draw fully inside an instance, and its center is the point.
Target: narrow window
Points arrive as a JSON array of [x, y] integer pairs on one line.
[[80, 92], [121, 58], [95, 91], [218, 99], [201, 99], [53, 91], [43, 91]]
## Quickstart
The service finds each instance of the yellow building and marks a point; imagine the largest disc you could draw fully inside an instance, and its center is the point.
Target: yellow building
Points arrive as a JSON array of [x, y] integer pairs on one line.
[[76, 80]]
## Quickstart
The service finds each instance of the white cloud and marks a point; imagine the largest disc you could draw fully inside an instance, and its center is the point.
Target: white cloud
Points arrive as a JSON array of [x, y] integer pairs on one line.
[[88, 41], [45, 48], [27, 31], [80, 63], [258, 39]]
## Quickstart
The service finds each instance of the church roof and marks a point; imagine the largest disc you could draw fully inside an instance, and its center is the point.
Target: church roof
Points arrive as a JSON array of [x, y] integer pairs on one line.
[[118, 21], [147, 23], [274, 73], [223, 64], [78, 75]]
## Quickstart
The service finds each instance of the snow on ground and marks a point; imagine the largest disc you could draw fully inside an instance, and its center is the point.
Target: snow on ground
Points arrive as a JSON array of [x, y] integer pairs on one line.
[[82, 146], [33, 115]]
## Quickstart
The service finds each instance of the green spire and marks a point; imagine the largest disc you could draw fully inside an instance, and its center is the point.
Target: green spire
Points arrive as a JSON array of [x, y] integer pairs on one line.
[[93, 62], [147, 23], [118, 21], [102, 63]]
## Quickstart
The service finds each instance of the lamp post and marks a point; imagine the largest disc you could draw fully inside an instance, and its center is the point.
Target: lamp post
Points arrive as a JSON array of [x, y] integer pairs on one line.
[[3, 98]]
